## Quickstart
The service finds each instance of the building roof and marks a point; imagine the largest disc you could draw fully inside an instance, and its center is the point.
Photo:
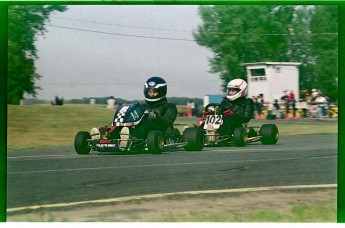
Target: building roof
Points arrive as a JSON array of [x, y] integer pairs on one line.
[[272, 63]]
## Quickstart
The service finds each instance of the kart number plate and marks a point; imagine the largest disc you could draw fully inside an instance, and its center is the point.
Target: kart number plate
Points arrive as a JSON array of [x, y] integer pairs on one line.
[[106, 145], [215, 120]]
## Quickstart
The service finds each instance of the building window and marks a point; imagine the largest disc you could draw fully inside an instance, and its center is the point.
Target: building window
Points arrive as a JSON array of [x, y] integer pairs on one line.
[[258, 75], [258, 72]]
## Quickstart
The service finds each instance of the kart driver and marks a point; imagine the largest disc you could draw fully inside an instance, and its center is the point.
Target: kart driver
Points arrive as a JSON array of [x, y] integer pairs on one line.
[[238, 108], [161, 114]]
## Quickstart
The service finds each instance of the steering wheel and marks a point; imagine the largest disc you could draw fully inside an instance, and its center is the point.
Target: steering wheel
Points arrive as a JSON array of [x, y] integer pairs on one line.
[[214, 108]]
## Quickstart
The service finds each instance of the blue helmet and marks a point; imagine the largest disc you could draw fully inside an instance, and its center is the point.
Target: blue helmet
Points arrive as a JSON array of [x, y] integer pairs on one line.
[[155, 89]]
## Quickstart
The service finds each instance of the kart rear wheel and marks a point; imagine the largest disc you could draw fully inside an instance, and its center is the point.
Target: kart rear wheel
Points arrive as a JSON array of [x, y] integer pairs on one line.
[[269, 134], [240, 137], [195, 139], [81, 144], [155, 142]]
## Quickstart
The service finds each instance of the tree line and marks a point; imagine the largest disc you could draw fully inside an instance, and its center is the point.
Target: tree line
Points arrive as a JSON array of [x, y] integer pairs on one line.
[[243, 34]]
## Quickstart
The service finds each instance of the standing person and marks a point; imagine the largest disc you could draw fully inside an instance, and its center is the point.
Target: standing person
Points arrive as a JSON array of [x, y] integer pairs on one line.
[[190, 108], [321, 103], [328, 108], [58, 101], [285, 99], [195, 111], [292, 102], [237, 108], [260, 105], [111, 103], [304, 106], [314, 110], [276, 109], [304, 103]]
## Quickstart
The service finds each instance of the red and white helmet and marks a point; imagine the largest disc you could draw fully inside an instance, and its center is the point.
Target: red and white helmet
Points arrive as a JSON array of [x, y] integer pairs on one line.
[[240, 86]]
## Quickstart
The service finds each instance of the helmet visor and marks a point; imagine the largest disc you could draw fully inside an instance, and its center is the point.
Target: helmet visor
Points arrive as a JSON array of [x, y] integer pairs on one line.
[[232, 89], [152, 92]]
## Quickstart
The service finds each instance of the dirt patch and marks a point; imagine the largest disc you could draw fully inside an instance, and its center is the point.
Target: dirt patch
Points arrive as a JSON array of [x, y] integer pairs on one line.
[[148, 210]]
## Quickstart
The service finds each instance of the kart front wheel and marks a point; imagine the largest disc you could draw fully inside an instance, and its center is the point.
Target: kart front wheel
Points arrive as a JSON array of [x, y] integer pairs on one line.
[[81, 144], [240, 137], [269, 134], [155, 142], [195, 139]]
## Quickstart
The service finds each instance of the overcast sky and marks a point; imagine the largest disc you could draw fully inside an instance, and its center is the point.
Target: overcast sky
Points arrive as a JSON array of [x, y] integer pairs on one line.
[[98, 51]]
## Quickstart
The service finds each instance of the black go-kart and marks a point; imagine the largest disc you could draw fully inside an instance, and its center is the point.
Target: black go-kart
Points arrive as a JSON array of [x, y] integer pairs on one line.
[[267, 133], [116, 136]]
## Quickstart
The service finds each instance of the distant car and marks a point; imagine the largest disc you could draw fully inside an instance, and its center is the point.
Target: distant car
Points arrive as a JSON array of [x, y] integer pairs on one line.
[[117, 137], [266, 134]]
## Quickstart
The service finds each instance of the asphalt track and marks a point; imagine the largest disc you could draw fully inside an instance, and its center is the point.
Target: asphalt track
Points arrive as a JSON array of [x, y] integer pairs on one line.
[[60, 176]]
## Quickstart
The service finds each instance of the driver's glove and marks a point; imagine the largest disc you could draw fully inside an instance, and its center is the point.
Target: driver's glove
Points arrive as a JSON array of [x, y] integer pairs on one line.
[[204, 113], [151, 115], [228, 113]]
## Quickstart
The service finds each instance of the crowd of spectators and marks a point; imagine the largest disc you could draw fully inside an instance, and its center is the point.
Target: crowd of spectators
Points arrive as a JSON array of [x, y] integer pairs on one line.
[[312, 104]]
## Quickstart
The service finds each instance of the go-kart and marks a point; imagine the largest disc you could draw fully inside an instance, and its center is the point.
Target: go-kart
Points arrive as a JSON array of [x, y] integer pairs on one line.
[[213, 120], [117, 137]]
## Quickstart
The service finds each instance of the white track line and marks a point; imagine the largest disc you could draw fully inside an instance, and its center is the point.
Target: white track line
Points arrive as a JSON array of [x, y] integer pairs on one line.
[[155, 196]]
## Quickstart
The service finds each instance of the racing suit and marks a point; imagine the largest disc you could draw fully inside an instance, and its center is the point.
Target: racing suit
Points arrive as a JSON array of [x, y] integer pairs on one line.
[[243, 111], [165, 115]]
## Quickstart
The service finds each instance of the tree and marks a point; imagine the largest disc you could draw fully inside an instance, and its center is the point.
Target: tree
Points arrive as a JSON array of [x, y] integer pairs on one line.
[[25, 22], [242, 34], [324, 30]]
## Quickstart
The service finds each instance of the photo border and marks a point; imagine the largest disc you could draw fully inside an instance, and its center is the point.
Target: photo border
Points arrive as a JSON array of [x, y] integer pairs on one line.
[[3, 83]]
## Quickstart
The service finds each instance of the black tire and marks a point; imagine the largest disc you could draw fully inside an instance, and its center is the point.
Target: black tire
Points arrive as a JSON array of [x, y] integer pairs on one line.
[[155, 142], [240, 137], [195, 139], [81, 144], [269, 134]]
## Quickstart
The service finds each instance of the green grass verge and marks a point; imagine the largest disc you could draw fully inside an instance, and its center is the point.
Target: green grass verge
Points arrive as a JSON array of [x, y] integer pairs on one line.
[[36, 126], [298, 213], [311, 213]]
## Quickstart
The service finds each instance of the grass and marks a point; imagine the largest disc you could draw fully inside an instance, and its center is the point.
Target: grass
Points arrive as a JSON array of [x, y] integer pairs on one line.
[[297, 213], [306, 213], [36, 126], [45, 125]]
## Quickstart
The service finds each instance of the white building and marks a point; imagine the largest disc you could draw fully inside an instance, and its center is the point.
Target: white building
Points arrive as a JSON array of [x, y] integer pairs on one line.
[[272, 78]]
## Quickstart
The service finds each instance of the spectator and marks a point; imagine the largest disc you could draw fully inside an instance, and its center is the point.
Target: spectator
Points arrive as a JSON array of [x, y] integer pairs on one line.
[[260, 103], [314, 93], [304, 95], [111, 103], [58, 101], [276, 109], [190, 108], [327, 107], [304, 107], [304, 103], [285, 99], [292, 102], [291, 95], [321, 103], [195, 111]]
